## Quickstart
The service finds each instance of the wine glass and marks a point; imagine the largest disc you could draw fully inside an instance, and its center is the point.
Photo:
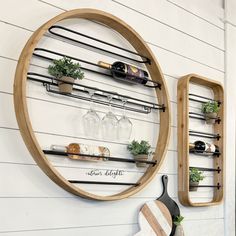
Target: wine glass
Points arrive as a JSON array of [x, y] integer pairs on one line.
[[109, 123], [124, 124], [91, 120]]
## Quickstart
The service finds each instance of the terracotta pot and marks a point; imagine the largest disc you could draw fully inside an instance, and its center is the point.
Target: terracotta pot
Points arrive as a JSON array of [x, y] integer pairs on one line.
[[210, 117], [193, 186], [64, 87], [141, 157], [179, 231]]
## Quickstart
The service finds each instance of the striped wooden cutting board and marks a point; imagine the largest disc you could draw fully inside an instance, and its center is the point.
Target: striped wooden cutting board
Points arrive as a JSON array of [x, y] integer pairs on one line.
[[154, 219]]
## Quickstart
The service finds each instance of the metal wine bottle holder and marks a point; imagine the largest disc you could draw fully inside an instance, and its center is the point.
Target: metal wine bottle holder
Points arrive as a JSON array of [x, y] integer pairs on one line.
[[157, 83]]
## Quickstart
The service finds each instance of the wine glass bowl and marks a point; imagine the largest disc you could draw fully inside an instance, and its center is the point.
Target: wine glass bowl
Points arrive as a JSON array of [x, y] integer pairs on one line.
[[91, 120], [124, 124], [109, 123], [109, 126], [124, 128], [91, 123]]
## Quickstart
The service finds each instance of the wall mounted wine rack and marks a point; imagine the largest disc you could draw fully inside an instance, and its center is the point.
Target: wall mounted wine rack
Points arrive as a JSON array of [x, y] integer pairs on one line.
[[157, 83], [183, 141]]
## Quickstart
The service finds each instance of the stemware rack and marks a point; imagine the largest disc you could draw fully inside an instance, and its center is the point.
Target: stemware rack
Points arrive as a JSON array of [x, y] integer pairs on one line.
[[52, 29], [120, 100], [183, 141]]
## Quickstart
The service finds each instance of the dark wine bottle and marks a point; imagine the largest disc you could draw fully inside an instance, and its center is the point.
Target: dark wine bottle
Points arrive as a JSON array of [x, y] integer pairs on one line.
[[126, 72], [203, 147]]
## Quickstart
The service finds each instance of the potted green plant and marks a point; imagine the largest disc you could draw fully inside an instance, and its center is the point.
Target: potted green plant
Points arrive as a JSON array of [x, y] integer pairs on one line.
[[179, 231], [210, 109], [194, 177], [140, 151], [66, 71]]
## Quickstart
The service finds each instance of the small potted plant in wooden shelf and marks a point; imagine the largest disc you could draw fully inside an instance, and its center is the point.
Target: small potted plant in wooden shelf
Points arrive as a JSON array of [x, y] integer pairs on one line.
[[210, 109], [179, 231], [194, 177], [66, 71], [140, 151]]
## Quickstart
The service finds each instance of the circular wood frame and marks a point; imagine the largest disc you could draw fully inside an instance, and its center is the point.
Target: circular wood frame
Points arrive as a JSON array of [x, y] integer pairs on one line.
[[21, 108]]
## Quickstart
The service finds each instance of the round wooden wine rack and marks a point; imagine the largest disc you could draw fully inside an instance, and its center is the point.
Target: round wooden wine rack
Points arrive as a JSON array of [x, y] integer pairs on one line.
[[22, 112]]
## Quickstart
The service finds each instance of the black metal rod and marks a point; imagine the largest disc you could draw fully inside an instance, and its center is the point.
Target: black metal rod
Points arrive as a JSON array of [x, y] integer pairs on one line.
[[198, 96], [155, 84], [206, 169], [213, 154], [99, 182], [105, 158], [147, 60], [199, 116], [207, 186], [204, 135], [147, 106], [198, 132]]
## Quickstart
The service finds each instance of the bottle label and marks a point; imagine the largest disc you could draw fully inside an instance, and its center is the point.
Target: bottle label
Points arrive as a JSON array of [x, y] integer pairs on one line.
[[210, 147], [133, 71]]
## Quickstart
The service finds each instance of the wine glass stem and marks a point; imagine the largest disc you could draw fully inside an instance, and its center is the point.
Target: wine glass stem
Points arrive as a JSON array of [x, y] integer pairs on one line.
[[91, 101], [110, 107]]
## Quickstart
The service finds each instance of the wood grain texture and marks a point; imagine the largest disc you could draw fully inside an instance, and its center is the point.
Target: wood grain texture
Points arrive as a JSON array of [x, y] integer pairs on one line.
[[155, 219], [183, 139], [22, 114]]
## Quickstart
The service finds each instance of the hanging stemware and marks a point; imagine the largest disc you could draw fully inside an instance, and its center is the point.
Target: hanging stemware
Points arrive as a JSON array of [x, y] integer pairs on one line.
[[109, 123], [91, 120], [124, 124]]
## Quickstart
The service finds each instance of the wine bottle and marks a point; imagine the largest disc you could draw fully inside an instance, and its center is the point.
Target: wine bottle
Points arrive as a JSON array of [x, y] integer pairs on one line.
[[203, 147], [126, 72]]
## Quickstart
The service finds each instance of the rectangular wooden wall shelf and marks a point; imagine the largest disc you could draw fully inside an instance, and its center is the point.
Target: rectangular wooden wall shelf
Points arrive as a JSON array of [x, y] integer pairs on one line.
[[184, 132]]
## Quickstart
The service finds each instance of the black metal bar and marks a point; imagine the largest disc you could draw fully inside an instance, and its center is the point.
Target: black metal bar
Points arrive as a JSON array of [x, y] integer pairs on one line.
[[206, 98], [147, 106], [105, 158], [218, 186], [99, 182], [204, 135], [206, 169], [155, 84], [213, 154], [194, 115], [147, 60]]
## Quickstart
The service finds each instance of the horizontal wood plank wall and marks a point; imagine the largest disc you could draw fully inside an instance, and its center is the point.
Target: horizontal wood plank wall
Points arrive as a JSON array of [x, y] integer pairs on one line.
[[186, 38]]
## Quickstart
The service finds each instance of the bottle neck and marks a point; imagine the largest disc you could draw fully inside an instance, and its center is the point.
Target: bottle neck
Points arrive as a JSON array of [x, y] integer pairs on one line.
[[104, 65], [191, 145]]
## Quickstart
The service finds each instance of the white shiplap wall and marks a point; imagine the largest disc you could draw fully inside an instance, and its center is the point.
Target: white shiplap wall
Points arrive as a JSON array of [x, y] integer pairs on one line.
[[185, 37]]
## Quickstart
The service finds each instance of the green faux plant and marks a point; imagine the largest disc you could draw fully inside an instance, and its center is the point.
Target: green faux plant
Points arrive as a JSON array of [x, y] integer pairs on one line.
[[210, 107], [65, 67], [178, 220], [137, 148], [195, 175]]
